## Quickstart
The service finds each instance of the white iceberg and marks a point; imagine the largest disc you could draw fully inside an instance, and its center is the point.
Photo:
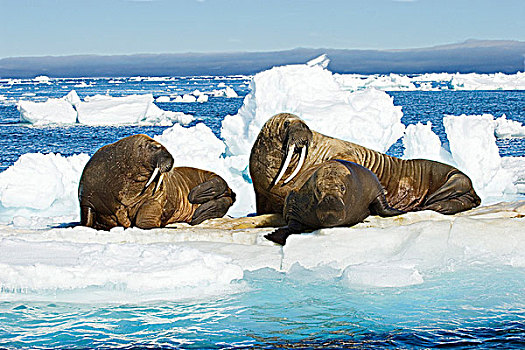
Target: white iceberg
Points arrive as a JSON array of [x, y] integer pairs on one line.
[[99, 110], [506, 128], [52, 111], [312, 92]]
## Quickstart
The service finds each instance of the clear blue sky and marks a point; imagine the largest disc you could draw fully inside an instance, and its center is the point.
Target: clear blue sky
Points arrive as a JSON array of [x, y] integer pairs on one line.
[[64, 27]]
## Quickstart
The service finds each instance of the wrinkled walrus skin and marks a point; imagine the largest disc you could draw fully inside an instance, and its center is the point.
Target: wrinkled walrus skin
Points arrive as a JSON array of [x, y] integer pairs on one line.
[[338, 193], [410, 185], [132, 182]]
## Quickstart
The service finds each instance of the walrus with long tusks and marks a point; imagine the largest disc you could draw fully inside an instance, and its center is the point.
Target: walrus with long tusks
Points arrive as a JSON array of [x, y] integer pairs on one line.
[[286, 148], [338, 193], [132, 182]]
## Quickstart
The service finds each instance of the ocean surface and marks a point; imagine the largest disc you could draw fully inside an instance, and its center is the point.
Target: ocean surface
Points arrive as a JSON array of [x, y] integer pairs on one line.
[[476, 307]]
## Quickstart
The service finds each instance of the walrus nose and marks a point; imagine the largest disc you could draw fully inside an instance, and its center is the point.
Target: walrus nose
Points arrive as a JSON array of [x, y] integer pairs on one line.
[[165, 162], [330, 211]]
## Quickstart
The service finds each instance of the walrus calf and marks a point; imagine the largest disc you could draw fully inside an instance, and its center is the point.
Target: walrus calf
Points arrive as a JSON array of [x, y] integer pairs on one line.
[[338, 193], [286, 148], [132, 182]]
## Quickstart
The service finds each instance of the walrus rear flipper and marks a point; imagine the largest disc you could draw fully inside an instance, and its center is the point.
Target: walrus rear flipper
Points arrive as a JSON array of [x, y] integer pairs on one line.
[[380, 207], [457, 194], [208, 190], [87, 216], [216, 208]]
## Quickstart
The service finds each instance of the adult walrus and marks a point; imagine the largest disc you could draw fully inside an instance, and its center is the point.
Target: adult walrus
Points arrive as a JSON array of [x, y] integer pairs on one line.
[[286, 147], [337, 193], [132, 182]]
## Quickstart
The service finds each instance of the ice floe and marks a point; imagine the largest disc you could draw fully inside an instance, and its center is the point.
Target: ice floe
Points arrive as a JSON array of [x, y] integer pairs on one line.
[[433, 81], [99, 110], [183, 261]]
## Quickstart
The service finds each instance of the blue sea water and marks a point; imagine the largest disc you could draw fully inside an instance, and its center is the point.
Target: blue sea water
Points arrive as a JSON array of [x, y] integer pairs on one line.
[[476, 307]]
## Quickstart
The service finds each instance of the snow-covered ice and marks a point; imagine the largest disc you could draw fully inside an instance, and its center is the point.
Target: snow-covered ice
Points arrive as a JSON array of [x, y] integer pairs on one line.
[[188, 261]]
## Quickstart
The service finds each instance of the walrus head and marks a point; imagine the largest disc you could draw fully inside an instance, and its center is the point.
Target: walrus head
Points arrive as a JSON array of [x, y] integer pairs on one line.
[[329, 192], [156, 160], [295, 137]]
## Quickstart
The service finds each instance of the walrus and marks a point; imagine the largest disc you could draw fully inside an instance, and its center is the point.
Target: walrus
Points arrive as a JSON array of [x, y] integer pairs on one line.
[[132, 182], [338, 193], [286, 148]]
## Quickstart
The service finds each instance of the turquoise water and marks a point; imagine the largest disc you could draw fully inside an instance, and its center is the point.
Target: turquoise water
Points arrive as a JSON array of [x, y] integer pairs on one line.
[[478, 306]]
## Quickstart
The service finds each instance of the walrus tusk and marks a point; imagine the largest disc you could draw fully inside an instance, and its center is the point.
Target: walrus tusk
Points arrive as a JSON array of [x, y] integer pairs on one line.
[[158, 183], [299, 165], [153, 176], [286, 163]]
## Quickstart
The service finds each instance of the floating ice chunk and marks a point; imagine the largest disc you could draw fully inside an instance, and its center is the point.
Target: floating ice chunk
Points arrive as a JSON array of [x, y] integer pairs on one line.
[[103, 110], [52, 111], [42, 186], [474, 150], [44, 79], [506, 128], [157, 116], [368, 118], [163, 99], [202, 98], [186, 98]]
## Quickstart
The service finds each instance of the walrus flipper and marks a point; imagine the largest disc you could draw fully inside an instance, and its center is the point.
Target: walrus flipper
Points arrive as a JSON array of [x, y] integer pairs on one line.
[[149, 215], [454, 196], [208, 190], [280, 235], [380, 207], [215, 208]]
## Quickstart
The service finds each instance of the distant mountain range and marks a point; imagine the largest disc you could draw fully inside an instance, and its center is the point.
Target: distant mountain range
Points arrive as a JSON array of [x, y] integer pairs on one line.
[[479, 56]]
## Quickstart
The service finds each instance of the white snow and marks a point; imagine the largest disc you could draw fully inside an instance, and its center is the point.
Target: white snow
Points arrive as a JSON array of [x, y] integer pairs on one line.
[[99, 110]]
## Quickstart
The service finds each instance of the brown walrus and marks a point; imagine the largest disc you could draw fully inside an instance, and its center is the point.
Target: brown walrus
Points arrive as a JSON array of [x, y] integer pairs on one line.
[[286, 147], [337, 193], [132, 182]]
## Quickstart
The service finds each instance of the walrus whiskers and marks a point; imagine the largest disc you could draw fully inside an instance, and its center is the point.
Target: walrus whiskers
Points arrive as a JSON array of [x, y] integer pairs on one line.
[[153, 176], [299, 165], [286, 163]]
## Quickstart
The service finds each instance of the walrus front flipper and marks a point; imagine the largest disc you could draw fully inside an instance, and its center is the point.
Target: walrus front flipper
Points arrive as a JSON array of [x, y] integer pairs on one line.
[[216, 208], [380, 207], [280, 235], [149, 215], [208, 190]]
